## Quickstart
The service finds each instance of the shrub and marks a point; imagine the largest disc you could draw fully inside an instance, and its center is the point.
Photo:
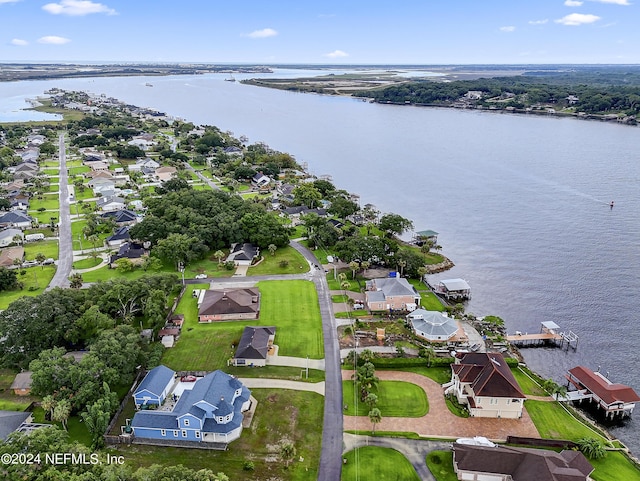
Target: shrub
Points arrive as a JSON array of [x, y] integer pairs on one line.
[[283, 263], [248, 466]]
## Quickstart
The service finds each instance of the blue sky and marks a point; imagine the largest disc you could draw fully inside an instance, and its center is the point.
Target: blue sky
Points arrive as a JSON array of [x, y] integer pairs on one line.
[[341, 32]]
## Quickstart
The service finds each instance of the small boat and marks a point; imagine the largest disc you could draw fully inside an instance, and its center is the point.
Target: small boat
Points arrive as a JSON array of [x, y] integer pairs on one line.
[[230, 79], [148, 85]]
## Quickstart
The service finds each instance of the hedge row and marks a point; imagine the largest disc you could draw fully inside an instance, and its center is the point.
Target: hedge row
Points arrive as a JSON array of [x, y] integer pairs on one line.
[[386, 363]]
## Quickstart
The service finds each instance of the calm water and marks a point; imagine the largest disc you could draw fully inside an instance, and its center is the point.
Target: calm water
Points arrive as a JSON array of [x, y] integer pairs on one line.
[[521, 202]]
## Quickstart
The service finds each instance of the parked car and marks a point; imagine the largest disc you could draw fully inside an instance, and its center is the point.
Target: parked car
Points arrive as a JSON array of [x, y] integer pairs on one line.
[[49, 261], [358, 306], [201, 276], [29, 263], [188, 379]]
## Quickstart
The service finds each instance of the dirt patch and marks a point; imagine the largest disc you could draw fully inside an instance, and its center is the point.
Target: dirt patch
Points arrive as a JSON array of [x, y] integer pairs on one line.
[[272, 398]]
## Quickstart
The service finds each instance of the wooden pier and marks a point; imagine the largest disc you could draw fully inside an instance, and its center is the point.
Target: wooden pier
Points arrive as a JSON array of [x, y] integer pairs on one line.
[[549, 334]]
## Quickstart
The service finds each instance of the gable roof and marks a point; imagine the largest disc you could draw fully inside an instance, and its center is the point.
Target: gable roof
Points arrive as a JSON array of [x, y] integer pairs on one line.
[[600, 386], [8, 254], [254, 343], [243, 252], [488, 374], [121, 233], [230, 301], [156, 380], [120, 216], [15, 217], [523, 464], [392, 286], [22, 381], [10, 421]]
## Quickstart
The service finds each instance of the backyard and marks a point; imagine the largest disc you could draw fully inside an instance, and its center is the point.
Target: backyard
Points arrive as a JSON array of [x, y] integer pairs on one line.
[[375, 463]]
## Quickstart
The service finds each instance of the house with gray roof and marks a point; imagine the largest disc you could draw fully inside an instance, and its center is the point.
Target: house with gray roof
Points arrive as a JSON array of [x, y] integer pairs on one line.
[[254, 346], [391, 294], [243, 254], [229, 304], [432, 325], [7, 235], [155, 387], [209, 410], [506, 463], [11, 421]]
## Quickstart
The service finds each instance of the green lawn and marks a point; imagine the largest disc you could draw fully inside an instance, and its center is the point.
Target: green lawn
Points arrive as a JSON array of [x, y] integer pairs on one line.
[[37, 277], [44, 217], [291, 306], [47, 247], [335, 284], [78, 170], [395, 399], [87, 193], [528, 385], [281, 414], [440, 463], [49, 202], [379, 464], [552, 421], [429, 301], [296, 264], [87, 263], [441, 375], [613, 467]]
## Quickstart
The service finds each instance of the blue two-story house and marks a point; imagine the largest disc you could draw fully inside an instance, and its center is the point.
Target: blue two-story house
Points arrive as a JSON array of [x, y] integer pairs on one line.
[[209, 412], [155, 387]]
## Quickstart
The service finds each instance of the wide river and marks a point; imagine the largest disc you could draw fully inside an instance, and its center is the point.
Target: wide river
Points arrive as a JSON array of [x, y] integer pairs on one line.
[[521, 202]]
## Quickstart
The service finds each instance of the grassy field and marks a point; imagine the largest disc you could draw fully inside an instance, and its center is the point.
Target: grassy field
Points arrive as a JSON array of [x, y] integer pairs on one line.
[[441, 375], [291, 306], [281, 414], [87, 263], [528, 385], [296, 264], [552, 421], [47, 247], [613, 467], [36, 277], [78, 170], [440, 463], [8, 400], [395, 399], [428, 300], [49, 202], [380, 464]]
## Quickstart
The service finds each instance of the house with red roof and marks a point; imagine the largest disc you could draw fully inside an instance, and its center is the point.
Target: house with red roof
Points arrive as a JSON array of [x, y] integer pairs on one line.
[[484, 382], [613, 398]]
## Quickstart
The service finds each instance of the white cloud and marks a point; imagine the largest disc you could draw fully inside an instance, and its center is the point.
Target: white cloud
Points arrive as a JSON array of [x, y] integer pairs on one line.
[[19, 42], [264, 33], [77, 8], [578, 19], [573, 3], [614, 2], [509, 28], [538, 22], [53, 40], [336, 54]]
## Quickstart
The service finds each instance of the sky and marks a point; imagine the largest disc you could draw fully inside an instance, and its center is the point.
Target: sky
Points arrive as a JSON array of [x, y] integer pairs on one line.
[[327, 32]]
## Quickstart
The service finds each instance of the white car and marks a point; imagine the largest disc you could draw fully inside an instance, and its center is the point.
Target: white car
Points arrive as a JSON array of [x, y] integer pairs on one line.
[[201, 276]]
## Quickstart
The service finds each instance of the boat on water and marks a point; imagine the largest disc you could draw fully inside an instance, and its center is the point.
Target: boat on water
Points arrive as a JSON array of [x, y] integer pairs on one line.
[[148, 85], [230, 79]]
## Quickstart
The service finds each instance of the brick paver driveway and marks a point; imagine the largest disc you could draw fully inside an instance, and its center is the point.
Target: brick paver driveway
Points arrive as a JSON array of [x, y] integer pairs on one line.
[[439, 421]]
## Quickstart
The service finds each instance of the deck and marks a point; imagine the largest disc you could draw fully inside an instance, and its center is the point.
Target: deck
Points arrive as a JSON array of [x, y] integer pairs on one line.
[[549, 334]]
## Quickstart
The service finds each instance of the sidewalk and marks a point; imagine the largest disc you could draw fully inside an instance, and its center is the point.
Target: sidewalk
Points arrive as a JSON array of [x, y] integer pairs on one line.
[[258, 383]]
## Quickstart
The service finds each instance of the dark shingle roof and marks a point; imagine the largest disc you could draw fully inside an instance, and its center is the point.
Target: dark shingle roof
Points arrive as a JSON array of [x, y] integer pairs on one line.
[[254, 343], [230, 301], [10, 421], [489, 375]]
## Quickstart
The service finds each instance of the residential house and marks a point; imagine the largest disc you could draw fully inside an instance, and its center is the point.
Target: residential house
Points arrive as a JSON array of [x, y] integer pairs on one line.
[[19, 203], [25, 171], [90, 155], [111, 203], [432, 325], [21, 385], [121, 217], [208, 410], [98, 166], [254, 346], [30, 154], [8, 256], [16, 219], [133, 251], [505, 463], [141, 143], [12, 421], [233, 151], [119, 237], [155, 387], [36, 140], [144, 163], [7, 235], [391, 293], [165, 173], [294, 214], [484, 382], [613, 399], [243, 254], [98, 174], [229, 304], [260, 180]]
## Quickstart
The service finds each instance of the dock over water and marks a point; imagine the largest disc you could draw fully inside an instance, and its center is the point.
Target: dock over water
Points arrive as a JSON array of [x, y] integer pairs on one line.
[[549, 334]]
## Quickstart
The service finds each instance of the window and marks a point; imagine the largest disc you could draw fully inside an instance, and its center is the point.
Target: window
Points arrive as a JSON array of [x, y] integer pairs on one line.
[[163, 433], [175, 433], [184, 433], [186, 422], [240, 362], [198, 434]]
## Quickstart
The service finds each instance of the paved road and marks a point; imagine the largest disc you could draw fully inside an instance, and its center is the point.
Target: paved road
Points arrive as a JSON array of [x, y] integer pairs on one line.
[[65, 247], [415, 450], [331, 455], [207, 181]]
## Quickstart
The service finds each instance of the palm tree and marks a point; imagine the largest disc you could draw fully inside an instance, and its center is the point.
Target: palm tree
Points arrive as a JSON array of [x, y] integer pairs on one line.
[[365, 265], [18, 239], [218, 255], [272, 249], [592, 448], [75, 281], [354, 267], [371, 400], [61, 412], [402, 264], [375, 416], [40, 257], [47, 404]]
